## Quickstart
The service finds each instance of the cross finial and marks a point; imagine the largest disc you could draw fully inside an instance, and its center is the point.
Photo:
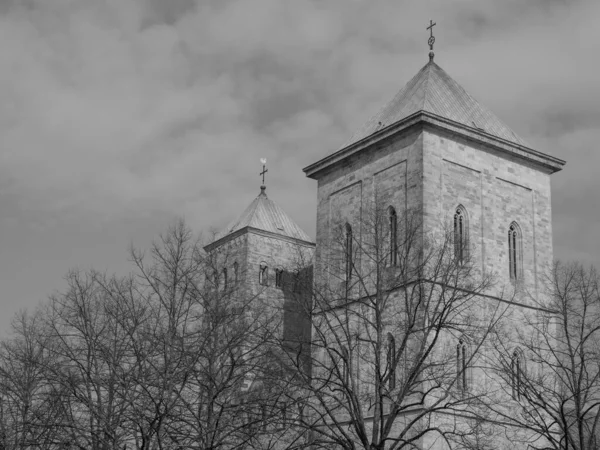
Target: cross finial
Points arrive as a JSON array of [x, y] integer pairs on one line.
[[265, 170], [431, 40]]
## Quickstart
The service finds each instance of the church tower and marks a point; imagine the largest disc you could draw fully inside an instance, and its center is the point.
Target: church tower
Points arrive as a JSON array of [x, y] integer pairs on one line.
[[435, 149], [435, 152], [267, 258]]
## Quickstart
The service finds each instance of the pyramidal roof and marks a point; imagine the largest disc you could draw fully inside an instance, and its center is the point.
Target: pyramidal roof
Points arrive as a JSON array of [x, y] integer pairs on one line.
[[265, 215], [433, 91]]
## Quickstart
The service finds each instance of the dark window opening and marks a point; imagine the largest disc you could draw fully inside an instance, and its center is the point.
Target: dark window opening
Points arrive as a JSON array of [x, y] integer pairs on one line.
[[460, 235], [462, 380], [263, 274], [348, 256], [391, 360], [279, 278], [393, 225], [514, 253]]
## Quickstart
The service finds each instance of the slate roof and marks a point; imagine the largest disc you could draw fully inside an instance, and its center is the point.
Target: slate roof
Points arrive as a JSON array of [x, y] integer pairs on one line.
[[264, 214], [432, 90]]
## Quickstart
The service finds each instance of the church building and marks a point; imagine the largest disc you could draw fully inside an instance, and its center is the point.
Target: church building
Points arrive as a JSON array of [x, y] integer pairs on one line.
[[431, 151]]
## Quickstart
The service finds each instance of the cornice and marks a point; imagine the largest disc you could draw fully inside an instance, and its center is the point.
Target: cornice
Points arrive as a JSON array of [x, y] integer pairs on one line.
[[542, 161]]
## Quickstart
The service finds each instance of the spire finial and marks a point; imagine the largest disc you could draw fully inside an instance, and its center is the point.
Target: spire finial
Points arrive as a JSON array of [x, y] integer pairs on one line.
[[265, 170], [431, 40]]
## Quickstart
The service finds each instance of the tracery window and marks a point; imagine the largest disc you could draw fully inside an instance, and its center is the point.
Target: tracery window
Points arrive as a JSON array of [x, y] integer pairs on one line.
[[391, 360], [514, 252], [263, 274], [462, 366], [461, 232], [348, 254], [393, 231]]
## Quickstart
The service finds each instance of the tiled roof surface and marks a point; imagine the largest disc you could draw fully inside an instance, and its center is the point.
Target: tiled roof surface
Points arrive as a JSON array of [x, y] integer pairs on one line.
[[264, 214], [433, 91]]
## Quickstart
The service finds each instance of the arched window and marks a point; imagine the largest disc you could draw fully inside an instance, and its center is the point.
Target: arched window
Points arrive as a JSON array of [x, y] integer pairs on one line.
[[514, 252], [348, 255], [225, 279], [462, 362], [461, 232], [393, 230], [263, 274], [391, 360], [279, 277], [235, 272], [517, 370]]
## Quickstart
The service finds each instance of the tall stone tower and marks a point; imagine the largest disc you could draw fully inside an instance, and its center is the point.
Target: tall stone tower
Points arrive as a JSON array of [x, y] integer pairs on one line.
[[435, 151], [433, 147]]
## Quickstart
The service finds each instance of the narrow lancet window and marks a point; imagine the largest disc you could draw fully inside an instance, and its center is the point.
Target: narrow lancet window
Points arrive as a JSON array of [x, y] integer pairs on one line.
[[235, 272], [393, 231], [516, 374], [263, 274], [514, 252], [462, 360], [460, 235], [391, 360], [348, 255], [345, 361], [279, 278], [225, 281]]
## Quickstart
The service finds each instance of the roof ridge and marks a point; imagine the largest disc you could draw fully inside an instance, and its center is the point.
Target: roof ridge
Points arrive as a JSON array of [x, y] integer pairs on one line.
[[425, 87]]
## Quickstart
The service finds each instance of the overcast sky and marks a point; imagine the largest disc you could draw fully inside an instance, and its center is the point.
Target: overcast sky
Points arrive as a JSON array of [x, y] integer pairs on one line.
[[118, 116]]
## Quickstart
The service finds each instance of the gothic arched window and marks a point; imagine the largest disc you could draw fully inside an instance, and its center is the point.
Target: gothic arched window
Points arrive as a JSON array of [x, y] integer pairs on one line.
[[348, 253], [393, 231], [263, 274], [517, 371], [391, 360], [462, 366], [514, 252], [461, 233]]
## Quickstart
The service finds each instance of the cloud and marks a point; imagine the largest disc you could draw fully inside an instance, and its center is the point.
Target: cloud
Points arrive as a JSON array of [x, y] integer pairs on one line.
[[117, 110]]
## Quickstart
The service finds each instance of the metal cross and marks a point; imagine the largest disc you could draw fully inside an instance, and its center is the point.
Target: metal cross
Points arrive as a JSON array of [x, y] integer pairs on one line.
[[431, 40], [265, 170]]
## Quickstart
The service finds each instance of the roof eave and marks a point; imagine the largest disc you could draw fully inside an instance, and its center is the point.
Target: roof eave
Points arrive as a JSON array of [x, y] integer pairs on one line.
[[248, 229], [549, 163]]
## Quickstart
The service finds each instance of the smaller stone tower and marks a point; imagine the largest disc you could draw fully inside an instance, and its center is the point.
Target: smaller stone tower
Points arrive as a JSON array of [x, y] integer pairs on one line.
[[268, 258]]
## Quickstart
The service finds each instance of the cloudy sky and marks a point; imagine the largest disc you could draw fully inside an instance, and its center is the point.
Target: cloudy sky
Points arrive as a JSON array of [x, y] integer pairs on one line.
[[118, 116]]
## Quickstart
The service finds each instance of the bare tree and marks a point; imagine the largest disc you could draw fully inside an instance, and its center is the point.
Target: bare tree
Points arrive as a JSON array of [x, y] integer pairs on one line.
[[86, 364], [173, 355], [400, 317], [551, 369], [28, 409]]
